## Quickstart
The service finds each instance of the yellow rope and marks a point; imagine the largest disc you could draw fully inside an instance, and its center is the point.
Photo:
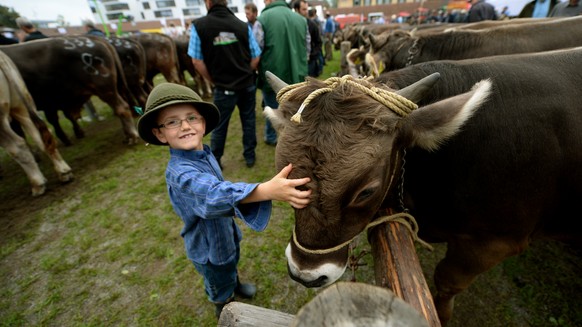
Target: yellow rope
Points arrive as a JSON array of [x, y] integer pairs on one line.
[[397, 103], [404, 218]]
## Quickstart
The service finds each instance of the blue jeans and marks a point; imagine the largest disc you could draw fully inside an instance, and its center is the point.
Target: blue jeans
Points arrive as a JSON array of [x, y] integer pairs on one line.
[[226, 101], [270, 99], [313, 68], [219, 280]]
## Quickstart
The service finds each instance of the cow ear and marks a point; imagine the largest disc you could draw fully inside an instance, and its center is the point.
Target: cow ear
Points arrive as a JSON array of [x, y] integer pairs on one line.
[[276, 83], [428, 127], [419, 90], [276, 118]]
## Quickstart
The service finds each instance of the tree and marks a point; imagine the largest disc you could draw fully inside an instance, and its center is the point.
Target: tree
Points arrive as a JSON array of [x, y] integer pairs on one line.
[[8, 17]]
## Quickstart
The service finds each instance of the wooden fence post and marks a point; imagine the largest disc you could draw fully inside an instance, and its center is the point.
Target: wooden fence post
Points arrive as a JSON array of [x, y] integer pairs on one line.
[[345, 47], [396, 266]]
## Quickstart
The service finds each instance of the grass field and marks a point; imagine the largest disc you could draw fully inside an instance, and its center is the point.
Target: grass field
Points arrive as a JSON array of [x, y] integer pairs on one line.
[[105, 249]]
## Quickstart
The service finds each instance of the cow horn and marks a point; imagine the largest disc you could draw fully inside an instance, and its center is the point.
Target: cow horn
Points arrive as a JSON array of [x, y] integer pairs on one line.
[[275, 82], [418, 90]]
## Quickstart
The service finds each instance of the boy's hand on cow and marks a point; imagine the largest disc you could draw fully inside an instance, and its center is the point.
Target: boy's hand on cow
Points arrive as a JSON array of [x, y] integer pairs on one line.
[[280, 188], [284, 189]]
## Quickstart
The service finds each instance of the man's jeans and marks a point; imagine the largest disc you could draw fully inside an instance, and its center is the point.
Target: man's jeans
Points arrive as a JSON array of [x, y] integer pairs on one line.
[[270, 99], [246, 101]]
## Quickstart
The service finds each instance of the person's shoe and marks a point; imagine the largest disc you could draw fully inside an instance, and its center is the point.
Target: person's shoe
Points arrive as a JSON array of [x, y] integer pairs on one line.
[[271, 143], [250, 163], [246, 291]]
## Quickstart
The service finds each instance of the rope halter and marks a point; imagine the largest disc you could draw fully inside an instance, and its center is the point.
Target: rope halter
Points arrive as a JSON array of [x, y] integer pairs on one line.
[[393, 101], [404, 218]]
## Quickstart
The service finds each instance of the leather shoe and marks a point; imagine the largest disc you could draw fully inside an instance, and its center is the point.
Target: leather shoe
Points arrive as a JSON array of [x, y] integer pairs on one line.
[[245, 291]]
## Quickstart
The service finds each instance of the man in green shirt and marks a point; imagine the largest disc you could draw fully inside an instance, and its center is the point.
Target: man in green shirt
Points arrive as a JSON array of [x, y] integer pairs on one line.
[[284, 52]]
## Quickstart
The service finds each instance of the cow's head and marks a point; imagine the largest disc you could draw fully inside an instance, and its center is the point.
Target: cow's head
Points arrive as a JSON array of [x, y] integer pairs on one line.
[[349, 143], [386, 51]]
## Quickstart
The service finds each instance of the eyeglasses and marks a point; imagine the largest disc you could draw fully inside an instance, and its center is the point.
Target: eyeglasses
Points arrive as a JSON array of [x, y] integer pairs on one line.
[[175, 123]]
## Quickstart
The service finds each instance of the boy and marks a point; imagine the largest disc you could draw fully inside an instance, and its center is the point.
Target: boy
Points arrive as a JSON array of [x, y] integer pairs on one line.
[[175, 115]]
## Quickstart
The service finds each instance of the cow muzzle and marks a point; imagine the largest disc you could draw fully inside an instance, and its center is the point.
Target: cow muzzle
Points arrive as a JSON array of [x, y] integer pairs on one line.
[[319, 274]]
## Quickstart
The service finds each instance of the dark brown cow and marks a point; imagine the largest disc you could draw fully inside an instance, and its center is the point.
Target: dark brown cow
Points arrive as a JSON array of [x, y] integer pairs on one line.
[[491, 160], [161, 57], [16, 103], [399, 49], [133, 60], [62, 73], [202, 86]]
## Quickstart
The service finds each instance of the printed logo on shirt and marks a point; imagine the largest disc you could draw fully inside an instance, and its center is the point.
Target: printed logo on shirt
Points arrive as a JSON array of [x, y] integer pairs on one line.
[[225, 38]]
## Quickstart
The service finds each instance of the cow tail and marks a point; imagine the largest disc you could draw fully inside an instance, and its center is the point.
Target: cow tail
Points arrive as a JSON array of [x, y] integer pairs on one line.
[[122, 87], [181, 76]]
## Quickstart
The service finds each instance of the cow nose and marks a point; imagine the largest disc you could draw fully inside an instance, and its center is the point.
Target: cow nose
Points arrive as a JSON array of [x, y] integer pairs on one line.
[[322, 280]]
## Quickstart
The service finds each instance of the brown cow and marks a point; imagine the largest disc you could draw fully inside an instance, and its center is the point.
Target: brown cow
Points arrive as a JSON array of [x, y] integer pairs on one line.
[[491, 160], [400, 49], [202, 86], [16, 103], [133, 60], [62, 73], [161, 57]]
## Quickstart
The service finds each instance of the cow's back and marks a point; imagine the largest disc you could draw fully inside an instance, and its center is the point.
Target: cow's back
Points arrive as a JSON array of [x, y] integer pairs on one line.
[[519, 156], [68, 72]]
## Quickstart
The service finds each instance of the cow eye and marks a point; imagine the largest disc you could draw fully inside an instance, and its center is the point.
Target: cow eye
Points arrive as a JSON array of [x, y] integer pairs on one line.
[[365, 194]]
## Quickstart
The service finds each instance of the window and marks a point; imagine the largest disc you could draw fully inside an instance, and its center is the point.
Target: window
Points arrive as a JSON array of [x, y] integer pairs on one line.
[[356, 3], [192, 3], [146, 5], [165, 4], [114, 17], [191, 12], [163, 13], [117, 6], [367, 2]]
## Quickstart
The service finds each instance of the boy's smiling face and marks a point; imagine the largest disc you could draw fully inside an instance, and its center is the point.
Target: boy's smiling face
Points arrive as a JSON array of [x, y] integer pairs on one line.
[[186, 136]]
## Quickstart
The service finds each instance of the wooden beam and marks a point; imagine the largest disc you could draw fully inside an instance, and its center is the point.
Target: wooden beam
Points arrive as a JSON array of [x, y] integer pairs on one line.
[[396, 266], [239, 314]]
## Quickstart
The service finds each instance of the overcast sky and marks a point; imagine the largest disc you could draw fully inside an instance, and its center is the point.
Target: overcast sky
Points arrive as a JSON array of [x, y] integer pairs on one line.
[[74, 11]]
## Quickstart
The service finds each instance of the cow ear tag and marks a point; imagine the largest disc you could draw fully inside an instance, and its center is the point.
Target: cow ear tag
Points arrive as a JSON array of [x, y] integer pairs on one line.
[[139, 110]]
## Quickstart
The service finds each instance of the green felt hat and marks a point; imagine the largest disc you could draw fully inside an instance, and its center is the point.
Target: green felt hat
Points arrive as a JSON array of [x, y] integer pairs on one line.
[[166, 94]]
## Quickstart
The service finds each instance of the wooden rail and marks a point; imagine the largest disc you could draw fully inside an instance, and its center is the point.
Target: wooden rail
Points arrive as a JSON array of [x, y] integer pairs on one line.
[[396, 266]]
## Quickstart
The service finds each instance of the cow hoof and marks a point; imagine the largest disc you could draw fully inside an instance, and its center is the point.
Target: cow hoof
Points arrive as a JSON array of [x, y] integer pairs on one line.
[[66, 177], [132, 140], [38, 190]]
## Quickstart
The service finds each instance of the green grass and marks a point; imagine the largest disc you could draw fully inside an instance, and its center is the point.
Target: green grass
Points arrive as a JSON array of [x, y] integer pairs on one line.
[[105, 249]]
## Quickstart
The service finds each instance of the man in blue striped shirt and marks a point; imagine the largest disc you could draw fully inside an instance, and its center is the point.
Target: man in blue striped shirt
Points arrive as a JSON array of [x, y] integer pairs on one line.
[[175, 115]]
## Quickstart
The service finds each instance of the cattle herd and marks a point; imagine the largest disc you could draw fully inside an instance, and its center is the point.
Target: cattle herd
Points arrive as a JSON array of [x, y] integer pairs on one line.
[[62, 73], [492, 155]]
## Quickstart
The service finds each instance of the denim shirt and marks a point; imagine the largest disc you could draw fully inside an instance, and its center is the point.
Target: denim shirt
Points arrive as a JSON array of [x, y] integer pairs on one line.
[[207, 204]]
